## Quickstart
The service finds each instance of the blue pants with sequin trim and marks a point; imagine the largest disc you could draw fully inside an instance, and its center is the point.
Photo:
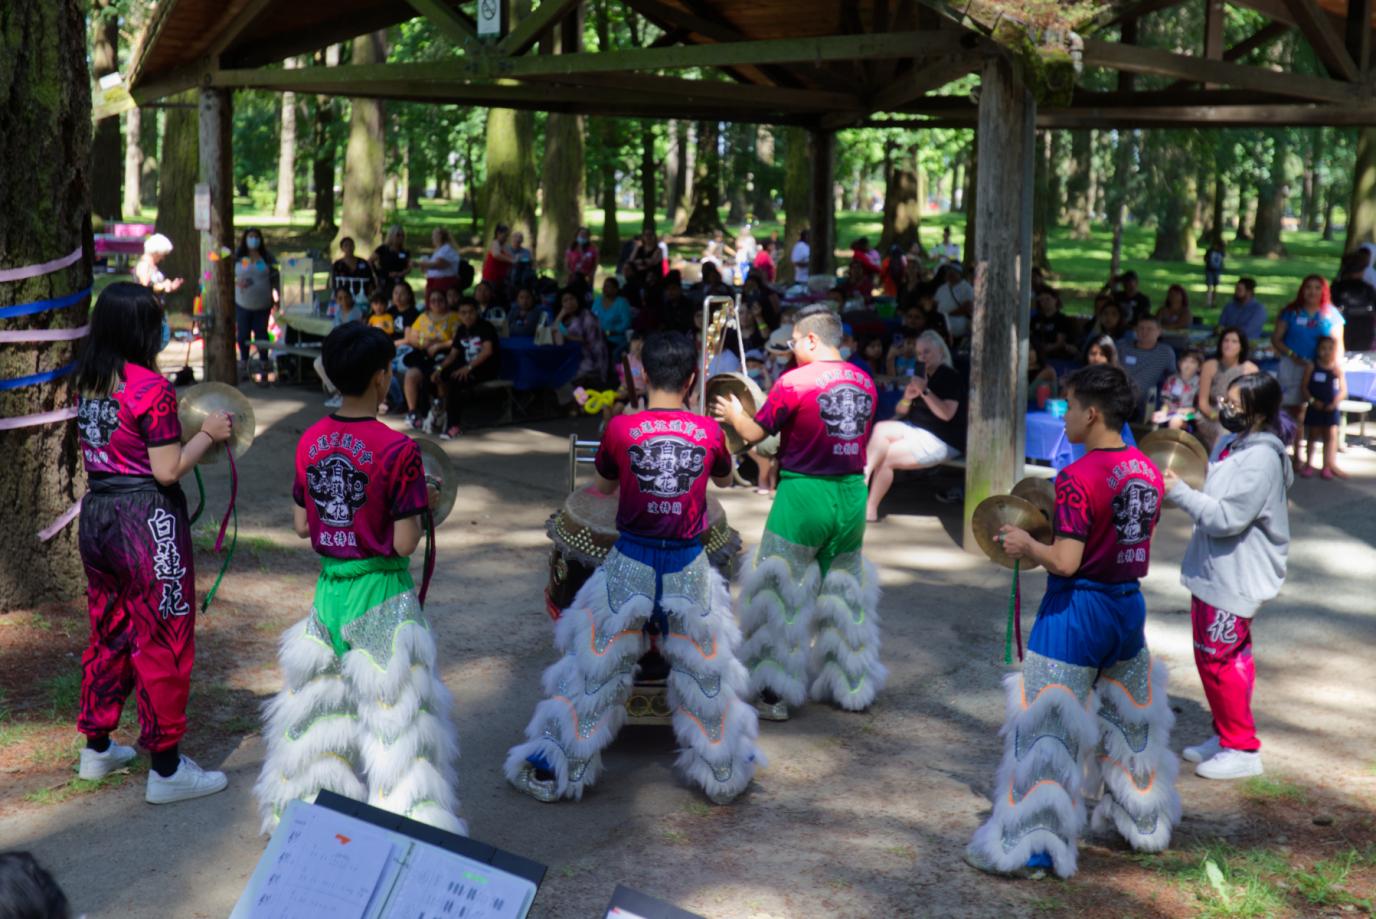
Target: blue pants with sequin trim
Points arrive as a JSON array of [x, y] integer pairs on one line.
[[1089, 623]]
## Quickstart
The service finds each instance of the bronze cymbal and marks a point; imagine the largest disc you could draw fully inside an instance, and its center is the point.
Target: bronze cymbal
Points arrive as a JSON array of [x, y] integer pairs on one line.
[[1180, 458], [1181, 437], [994, 512], [439, 472], [743, 388], [1041, 492], [199, 401]]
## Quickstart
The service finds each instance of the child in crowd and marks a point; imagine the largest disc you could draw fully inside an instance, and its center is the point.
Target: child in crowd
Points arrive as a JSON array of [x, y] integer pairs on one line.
[[1041, 378], [1325, 387], [363, 712], [623, 403], [870, 356], [378, 315], [522, 261], [1180, 393], [903, 357], [345, 311]]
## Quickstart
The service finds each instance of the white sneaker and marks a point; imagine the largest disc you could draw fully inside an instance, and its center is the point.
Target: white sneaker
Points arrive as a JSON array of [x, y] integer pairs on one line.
[[1200, 752], [98, 765], [335, 401], [189, 781], [1230, 764]]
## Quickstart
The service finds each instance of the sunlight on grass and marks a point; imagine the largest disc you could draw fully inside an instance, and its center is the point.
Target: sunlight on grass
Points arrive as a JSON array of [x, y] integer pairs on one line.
[[1262, 788], [77, 787]]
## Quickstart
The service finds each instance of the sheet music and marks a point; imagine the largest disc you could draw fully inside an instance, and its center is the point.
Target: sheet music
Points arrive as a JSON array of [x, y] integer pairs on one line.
[[443, 885], [319, 873]]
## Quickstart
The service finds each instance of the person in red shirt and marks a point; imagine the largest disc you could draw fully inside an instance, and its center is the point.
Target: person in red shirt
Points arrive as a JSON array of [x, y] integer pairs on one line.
[[656, 579], [1089, 638], [808, 577], [363, 712], [764, 262], [135, 543]]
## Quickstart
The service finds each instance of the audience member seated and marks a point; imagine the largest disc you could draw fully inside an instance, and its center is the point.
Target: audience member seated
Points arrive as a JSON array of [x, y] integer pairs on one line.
[[1147, 361], [865, 258], [614, 316], [1108, 320], [1243, 311], [1230, 361], [648, 257], [489, 307], [472, 360], [430, 338], [1042, 382], [1102, 350], [442, 267], [763, 266], [1180, 394], [929, 425], [345, 311], [1175, 315], [893, 272], [1129, 296], [712, 284], [918, 318], [675, 310], [379, 316], [955, 299], [581, 256], [576, 323], [1052, 331], [351, 271], [856, 289], [391, 260], [869, 356], [498, 259], [522, 263], [525, 317], [1356, 300], [403, 308]]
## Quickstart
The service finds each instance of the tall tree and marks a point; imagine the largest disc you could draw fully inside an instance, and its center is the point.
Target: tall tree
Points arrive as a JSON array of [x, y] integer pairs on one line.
[[647, 179], [1041, 200], [1361, 208], [1077, 185], [133, 163], [674, 171], [324, 149], [1173, 192], [741, 139], [45, 144], [1124, 179], [902, 200], [1271, 197], [509, 192], [797, 191], [365, 160], [106, 162], [286, 152], [178, 172], [705, 216], [765, 174]]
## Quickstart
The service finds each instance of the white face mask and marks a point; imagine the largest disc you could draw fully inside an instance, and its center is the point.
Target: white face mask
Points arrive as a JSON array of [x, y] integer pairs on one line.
[[845, 353], [254, 242]]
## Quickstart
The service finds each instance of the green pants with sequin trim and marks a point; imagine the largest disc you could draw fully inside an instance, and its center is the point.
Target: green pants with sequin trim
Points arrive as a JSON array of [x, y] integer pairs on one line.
[[824, 512], [349, 588]]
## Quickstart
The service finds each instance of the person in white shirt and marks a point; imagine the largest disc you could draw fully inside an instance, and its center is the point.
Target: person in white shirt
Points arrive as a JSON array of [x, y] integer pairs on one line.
[[800, 257], [955, 299], [441, 268], [947, 251], [746, 249]]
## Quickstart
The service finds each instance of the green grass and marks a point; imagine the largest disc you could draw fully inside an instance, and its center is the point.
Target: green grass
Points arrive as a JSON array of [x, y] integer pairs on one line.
[[1262, 788], [77, 787], [63, 694]]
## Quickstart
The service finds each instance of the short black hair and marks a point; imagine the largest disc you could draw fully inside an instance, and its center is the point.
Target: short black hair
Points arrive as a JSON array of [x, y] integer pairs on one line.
[[1249, 283], [377, 296], [27, 891], [1127, 276], [1357, 260], [353, 354], [1106, 388], [670, 360], [1145, 316], [821, 321]]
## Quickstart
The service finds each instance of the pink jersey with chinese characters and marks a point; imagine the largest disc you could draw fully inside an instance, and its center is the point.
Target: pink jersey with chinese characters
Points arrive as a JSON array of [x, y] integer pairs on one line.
[[1110, 500], [662, 460], [117, 430], [825, 411], [356, 477]]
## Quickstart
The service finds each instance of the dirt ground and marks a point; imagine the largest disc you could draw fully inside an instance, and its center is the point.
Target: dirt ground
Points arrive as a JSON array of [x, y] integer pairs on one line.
[[856, 815]]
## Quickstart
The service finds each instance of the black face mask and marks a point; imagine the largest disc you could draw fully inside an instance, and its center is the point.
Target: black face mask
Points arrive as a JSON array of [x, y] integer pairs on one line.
[[1232, 420]]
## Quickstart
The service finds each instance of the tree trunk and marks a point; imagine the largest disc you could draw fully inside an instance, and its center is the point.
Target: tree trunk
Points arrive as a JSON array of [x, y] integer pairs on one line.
[[957, 186], [1202, 206], [967, 201], [902, 203], [1361, 208], [1094, 196], [705, 216], [1059, 158], [106, 170], [415, 175], [1219, 196], [470, 186], [45, 145], [150, 136], [797, 192], [1330, 201], [1077, 185], [611, 230], [322, 166], [178, 173], [509, 192], [286, 152], [365, 159], [647, 181], [1123, 167], [677, 139], [1041, 201], [1246, 215], [765, 175], [1271, 203], [1171, 177], [563, 182], [682, 199], [1309, 200], [740, 138], [133, 163]]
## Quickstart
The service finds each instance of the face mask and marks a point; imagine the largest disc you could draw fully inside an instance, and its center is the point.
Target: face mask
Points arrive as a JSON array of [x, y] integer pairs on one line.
[[757, 374], [254, 242], [582, 240], [846, 353], [1231, 419]]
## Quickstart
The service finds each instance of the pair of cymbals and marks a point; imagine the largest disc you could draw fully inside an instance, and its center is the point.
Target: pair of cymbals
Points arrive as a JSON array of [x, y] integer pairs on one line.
[[204, 399], [439, 472], [998, 511], [1178, 451]]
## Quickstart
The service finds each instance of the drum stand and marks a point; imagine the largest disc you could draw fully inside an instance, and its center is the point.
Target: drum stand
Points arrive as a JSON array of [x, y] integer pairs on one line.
[[714, 332]]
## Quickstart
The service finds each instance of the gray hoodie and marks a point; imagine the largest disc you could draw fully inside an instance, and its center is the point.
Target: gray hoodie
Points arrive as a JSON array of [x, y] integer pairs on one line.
[[1236, 557]]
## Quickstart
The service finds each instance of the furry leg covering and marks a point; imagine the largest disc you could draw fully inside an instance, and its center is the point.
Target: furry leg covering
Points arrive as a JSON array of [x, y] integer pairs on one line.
[[1137, 765], [586, 688], [845, 657], [310, 727], [777, 600], [1038, 792], [407, 742], [716, 731]]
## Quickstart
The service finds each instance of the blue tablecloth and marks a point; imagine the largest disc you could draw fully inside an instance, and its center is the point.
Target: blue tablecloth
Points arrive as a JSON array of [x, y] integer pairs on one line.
[[1047, 443], [1361, 384], [530, 366]]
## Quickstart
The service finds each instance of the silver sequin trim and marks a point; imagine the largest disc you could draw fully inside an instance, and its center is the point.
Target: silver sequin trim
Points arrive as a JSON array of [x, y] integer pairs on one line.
[[693, 584], [797, 557], [375, 631], [1135, 675], [1044, 819], [1039, 672], [626, 580]]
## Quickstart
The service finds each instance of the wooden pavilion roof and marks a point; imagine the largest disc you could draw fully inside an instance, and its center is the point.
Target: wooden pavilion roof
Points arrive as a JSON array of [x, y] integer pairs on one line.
[[819, 63]]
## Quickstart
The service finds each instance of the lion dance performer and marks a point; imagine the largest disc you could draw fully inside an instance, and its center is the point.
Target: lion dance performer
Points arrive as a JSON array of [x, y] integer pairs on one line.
[[363, 713], [1090, 706], [136, 547], [808, 577], [657, 578]]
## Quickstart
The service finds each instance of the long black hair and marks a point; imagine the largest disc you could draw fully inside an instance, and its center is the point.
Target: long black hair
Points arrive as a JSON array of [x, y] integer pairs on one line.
[[1260, 398], [1244, 355], [126, 327], [261, 252]]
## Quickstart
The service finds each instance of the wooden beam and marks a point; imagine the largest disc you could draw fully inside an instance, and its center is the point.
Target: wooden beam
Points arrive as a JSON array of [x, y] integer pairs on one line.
[[1213, 32], [1168, 64], [1358, 33], [171, 83], [453, 23], [1128, 36], [1258, 39], [289, 44], [1318, 30], [235, 27], [707, 90], [913, 85], [666, 18], [1160, 116], [527, 32], [1128, 12]]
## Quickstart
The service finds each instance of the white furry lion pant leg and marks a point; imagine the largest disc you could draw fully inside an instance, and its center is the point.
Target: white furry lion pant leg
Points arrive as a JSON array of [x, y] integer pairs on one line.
[[777, 600], [601, 636], [716, 730], [310, 727], [845, 657], [1038, 792], [1137, 765], [407, 742]]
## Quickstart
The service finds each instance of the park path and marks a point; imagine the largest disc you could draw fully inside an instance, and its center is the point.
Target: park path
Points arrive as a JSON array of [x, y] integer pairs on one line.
[[856, 815]]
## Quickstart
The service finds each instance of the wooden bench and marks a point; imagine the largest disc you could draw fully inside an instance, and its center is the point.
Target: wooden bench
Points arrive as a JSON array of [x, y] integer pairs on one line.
[[1352, 407]]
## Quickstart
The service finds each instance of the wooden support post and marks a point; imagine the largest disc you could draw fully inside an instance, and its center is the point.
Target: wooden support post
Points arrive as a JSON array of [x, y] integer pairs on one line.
[[1003, 262], [1213, 32], [1358, 33], [217, 275], [822, 233]]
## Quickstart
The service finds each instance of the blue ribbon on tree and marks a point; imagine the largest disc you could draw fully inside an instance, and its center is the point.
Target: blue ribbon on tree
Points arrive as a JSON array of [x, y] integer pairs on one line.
[[36, 378], [43, 306]]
